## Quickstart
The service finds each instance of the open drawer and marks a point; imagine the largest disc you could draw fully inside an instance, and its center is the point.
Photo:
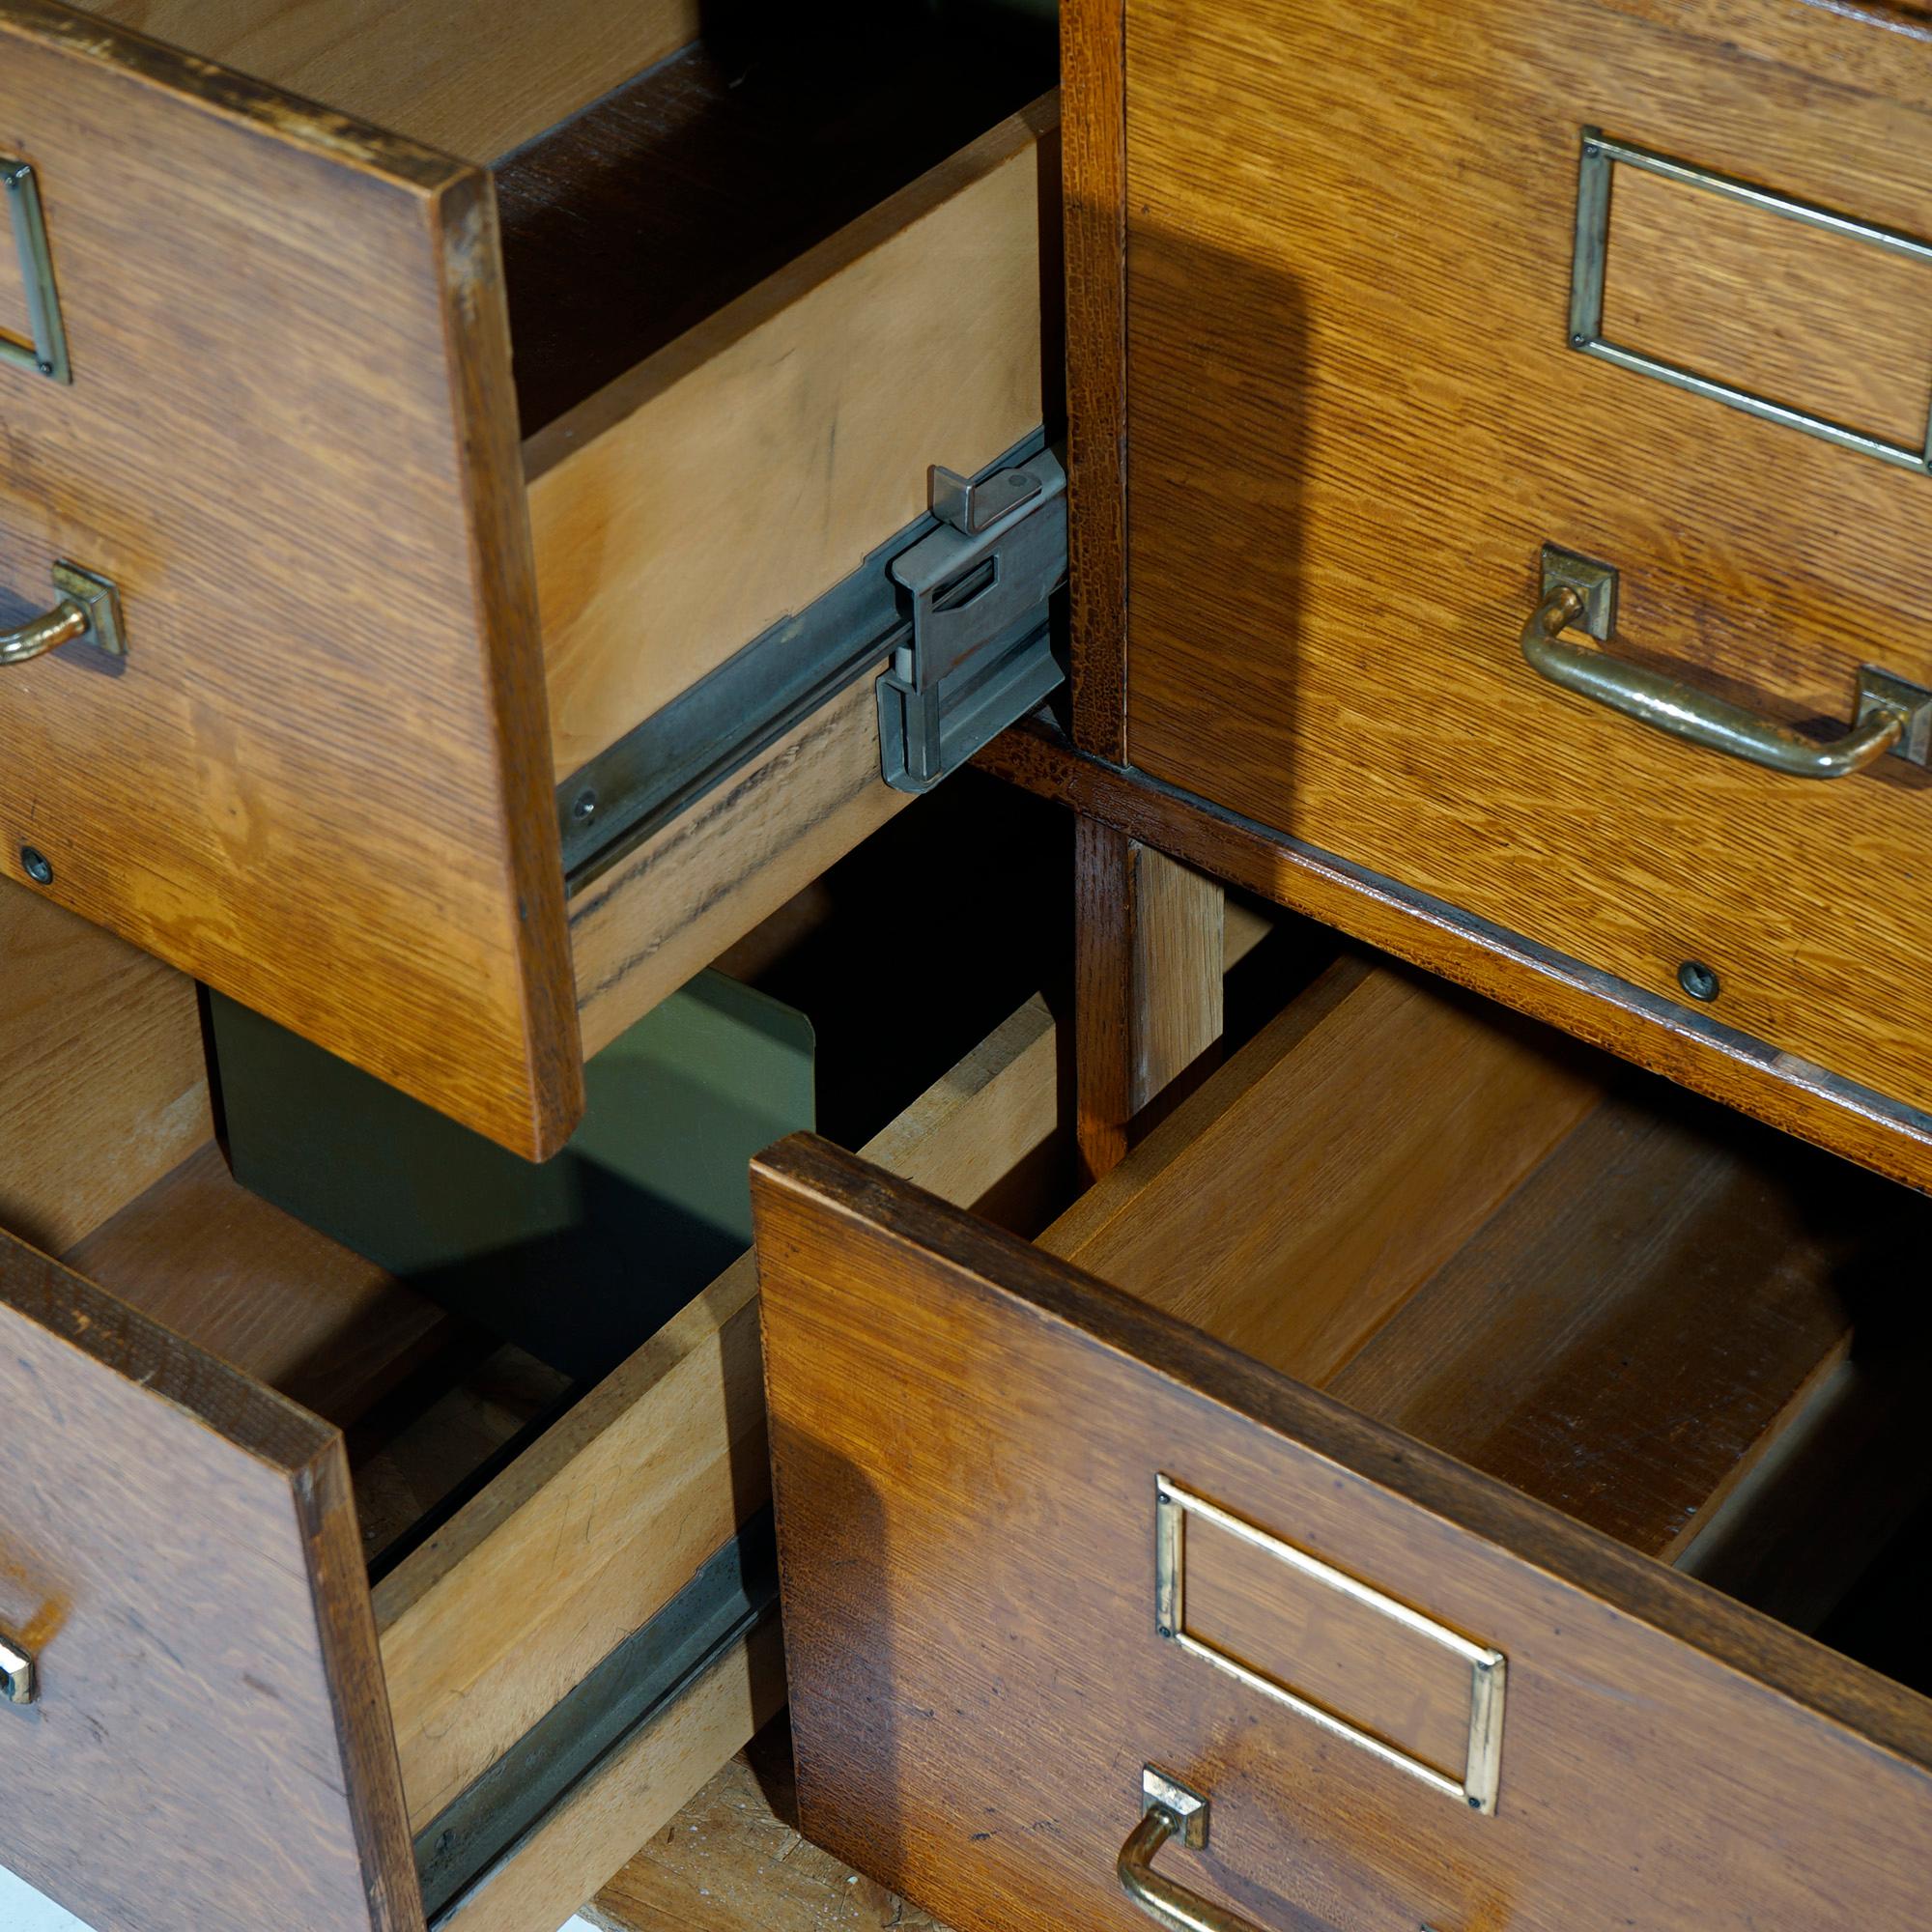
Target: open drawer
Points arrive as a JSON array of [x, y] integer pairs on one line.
[[1385, 1592], [385, 610]]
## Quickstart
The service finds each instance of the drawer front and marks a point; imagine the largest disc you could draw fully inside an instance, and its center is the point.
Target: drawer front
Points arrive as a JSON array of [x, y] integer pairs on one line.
[[206, 1747], [1411, 1695], [319, 778], [1362, 402]]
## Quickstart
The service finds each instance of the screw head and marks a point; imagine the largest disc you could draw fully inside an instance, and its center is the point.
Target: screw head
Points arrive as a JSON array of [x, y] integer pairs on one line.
[[1698, 979], [35, 865], [583, 807]]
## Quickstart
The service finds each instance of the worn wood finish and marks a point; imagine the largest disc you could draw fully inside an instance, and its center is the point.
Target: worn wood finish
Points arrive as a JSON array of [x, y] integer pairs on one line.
[[1292, 427], [1148, 973], [320, 784], [1313, 1183], [264, 1291], [106, 1087], [210, 1746], [641, 929], [1742, 1072], [580, 1842], [671, 517], [733, 1861], [966, 1438], [476, 78], [1093, 52]]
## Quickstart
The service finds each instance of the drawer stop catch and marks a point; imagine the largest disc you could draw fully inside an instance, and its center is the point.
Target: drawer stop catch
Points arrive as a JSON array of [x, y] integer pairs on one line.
[[980, 655]]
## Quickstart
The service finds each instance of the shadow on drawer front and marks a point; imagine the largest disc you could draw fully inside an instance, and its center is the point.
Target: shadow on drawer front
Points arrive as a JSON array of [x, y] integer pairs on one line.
[[1396, 1546]]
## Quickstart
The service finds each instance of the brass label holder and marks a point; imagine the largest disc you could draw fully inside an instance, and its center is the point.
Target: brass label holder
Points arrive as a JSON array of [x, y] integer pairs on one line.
[[46, 353], [1597, 162], [1488, 1668]]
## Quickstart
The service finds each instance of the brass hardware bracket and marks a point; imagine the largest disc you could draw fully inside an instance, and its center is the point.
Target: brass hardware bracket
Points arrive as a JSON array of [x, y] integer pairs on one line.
[[46, 353], [88, 611], [1579, 593]]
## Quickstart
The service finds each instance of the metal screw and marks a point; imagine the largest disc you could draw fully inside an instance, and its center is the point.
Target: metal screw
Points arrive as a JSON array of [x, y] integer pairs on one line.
[[1578, 341], [37, 867], [583, 807], [1698, 979], [46, 368]]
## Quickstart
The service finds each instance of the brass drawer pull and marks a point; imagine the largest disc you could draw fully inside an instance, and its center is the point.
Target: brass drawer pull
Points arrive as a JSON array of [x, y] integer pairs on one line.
[[1170, 1810], [1892, 715], [89, 608], [19, 1684]]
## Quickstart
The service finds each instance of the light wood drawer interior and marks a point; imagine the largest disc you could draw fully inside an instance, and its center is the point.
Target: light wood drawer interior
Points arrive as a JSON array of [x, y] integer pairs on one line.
[[1678, 1329], [720, 303], [518, 1528]]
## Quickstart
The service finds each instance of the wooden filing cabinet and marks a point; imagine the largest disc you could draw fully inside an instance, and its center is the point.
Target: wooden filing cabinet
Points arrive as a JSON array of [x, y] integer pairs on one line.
[[390, 600], [390, 603], [1278, 1539]]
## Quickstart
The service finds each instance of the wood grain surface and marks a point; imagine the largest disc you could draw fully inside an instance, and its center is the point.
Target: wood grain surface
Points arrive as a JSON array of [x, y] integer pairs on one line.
[[733, 476], [476, 78], [1345, 493], [636, 221], [966, 1438], [733, 1861], [666, 909], [580, 1842], [211, 1749], [1148, 972], [265, 1293], [105, 1087], [1093, 52], [1317, 1180], [1669, 1039], [320, 784]]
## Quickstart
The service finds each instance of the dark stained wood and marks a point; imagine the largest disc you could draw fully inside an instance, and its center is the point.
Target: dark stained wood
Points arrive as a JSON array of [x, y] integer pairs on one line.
[[1147, 969], [1339, 495], [637, 218], [1666, 1039], [211, 1751], [266, 1293], [321, 782], [966, 1436], [1092, 51]]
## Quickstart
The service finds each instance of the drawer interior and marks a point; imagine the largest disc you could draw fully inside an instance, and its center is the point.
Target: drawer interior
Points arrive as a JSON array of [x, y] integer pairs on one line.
[[1677, 1326]]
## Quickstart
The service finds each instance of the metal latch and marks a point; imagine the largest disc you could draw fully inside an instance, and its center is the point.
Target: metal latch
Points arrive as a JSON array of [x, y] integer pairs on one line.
[[980, 654]]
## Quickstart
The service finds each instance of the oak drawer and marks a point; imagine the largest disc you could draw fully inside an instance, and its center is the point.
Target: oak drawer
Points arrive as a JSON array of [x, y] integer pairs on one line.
[[386, 596], [1370, 1453], [1412, 293]]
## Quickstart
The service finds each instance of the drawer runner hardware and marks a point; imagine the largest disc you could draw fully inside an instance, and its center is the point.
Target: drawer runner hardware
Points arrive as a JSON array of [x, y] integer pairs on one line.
[[957, 612], [1892, 716], [46, 353], [734, 1590]]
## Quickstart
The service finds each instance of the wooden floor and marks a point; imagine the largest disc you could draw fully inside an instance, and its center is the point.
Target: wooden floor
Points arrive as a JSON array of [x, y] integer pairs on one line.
[[733, 1861]]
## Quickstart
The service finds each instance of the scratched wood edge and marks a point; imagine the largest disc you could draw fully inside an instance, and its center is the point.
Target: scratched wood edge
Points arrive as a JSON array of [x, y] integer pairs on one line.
[[1093, 146], [502, 563], [310, 1456], [271, 111], [807, 1175], [624, 395], [1039, 760], [359, 1697]]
